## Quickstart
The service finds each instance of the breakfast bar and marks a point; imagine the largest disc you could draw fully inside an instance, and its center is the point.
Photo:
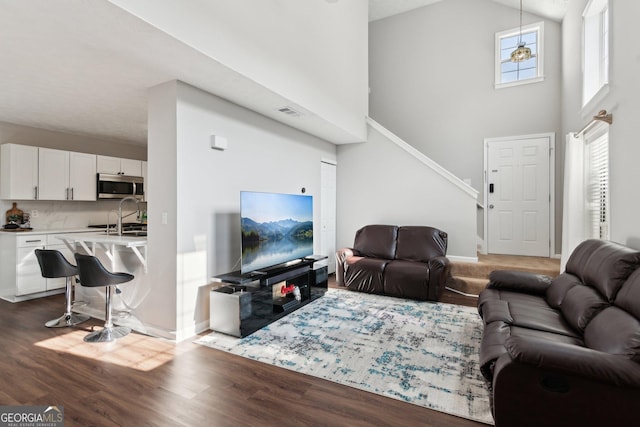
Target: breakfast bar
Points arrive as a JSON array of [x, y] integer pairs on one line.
[[108, 242], [118, 253]]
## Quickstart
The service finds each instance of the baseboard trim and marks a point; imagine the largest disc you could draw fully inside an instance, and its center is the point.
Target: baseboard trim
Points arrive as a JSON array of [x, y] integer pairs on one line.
[[192, 330], [463, 258]]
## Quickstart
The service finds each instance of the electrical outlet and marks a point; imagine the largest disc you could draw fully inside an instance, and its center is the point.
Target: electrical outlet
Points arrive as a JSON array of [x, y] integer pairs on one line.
[[164, 218], [34, 214]]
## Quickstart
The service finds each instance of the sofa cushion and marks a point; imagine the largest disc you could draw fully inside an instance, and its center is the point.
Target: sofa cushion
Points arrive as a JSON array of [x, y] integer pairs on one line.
[[628, 297], [603, 265], [614, 331], [540, 318], [365, 274], [559, 287], [580, 305], [416, 243], [406, 279], [523, 310], [508, 296], [496, 310], [376, 241]]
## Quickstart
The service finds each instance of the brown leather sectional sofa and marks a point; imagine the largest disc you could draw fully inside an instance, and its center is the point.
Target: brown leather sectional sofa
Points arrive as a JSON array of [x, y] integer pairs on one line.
[[404, 262], [565, 351]]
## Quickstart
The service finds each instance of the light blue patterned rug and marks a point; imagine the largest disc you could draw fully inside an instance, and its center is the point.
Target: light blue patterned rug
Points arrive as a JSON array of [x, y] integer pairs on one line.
[[419, 352]]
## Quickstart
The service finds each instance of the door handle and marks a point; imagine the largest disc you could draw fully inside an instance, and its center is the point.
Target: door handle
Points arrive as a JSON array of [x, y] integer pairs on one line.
[[491, 206]]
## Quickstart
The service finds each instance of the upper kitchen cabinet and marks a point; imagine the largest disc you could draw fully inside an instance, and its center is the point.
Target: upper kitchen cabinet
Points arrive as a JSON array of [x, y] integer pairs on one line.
[[18, 172], [82, 176], [66, 175], [32, 173], [118, 166]]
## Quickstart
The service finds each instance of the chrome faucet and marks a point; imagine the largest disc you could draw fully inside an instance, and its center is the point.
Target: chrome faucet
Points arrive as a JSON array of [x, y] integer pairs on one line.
[[120, 217]]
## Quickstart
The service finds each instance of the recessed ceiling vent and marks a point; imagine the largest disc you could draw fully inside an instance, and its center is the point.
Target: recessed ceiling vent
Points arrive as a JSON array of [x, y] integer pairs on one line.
[[289, 111]]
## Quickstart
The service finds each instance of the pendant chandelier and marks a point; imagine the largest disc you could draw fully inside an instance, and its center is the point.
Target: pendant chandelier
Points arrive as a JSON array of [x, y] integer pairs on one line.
[[522, 53]]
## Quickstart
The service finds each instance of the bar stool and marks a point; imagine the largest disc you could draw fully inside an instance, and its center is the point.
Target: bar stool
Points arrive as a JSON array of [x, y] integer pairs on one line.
[[54, 265], [93, 274]]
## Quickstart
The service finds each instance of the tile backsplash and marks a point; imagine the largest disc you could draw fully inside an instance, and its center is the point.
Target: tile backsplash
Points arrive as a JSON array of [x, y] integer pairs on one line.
[[62, 214]]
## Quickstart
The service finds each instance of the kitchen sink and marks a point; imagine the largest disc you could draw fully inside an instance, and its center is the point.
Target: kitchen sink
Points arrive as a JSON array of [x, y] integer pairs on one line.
[[134, 233], [133, 229]]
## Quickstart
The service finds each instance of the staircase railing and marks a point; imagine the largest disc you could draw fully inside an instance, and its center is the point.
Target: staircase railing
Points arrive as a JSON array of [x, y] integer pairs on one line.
[[463, 186]]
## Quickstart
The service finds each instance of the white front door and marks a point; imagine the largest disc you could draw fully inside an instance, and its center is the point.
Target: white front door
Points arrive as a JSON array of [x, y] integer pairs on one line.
[[518, 196]]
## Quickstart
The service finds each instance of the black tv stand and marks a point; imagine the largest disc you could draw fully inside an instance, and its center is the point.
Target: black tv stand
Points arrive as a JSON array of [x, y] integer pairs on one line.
[[248, 302]]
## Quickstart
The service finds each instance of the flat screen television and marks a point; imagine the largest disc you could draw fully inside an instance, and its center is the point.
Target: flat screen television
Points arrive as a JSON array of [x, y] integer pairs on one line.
[[276, 229]]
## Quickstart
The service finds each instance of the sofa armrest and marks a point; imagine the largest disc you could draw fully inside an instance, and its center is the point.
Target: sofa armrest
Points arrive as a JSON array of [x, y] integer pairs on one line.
[[439, 269], [519, 281], [341, 256], [538, 382], [574, 361]]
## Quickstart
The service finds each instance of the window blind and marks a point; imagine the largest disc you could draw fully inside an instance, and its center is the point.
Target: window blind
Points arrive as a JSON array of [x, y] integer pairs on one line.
[[598, 188]]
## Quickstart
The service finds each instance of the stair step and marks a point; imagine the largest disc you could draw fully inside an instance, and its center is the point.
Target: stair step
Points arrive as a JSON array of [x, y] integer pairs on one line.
[[467, 285], [482, 270], [472, 277]]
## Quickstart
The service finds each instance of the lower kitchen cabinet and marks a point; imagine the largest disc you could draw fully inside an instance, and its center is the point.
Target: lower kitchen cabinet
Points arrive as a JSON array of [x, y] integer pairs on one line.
[[20, 276]]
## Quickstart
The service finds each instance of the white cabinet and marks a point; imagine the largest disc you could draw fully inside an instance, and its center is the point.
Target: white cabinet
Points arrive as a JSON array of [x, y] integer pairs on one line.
[[118, 166], [66, 175], [20, 275], [53, 174], [82, 176], [28, 278], [131, 167], [18, 172], [32, 173]]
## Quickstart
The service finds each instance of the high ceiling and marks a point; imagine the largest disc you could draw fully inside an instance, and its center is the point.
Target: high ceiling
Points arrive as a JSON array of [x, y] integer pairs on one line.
[[84, 67], [552, 9]]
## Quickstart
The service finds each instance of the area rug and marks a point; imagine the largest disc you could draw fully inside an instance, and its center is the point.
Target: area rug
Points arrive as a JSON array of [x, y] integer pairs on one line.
[[420, 352]]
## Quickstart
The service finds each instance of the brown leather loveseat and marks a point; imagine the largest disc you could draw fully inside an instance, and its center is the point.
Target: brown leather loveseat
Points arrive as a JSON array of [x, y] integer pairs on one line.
[[565, 351], [404, 262]]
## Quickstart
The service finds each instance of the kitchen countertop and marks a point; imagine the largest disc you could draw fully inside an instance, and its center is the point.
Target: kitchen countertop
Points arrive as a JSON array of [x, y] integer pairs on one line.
[[54, 230], [109, 239]]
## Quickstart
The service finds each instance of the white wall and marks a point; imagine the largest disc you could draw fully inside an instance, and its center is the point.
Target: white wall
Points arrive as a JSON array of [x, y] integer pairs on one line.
[[431, 74], [623, 100], [311, 52], [199, 188], [380, 183]]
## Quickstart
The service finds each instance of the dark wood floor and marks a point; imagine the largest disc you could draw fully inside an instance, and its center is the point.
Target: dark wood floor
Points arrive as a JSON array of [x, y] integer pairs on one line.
[[144, 381]]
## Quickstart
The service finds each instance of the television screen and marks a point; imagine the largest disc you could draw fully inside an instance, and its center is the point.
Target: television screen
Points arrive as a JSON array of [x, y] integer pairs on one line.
[[276, 229]]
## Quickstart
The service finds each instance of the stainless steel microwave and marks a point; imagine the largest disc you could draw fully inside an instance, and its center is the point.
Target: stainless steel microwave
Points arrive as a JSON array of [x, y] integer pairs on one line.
[[120, 186]]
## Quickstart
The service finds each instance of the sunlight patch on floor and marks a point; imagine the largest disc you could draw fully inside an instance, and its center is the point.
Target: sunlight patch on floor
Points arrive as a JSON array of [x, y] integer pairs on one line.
[[134, 351]]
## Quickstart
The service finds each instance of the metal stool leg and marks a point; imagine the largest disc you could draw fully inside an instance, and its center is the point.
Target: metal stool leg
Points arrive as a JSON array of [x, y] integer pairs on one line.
[[68, 318], [110, 332]]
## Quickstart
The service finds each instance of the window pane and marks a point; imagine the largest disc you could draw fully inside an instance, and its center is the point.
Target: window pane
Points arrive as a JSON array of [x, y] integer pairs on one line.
[[529, 38], [505, 54], [509, 77], [510, 72], [529, 63], [509, 42], [508, 66], [529, 73]]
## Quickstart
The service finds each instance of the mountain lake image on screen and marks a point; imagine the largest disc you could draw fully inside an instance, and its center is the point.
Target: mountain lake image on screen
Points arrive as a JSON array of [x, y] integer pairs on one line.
[[276, 229]]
